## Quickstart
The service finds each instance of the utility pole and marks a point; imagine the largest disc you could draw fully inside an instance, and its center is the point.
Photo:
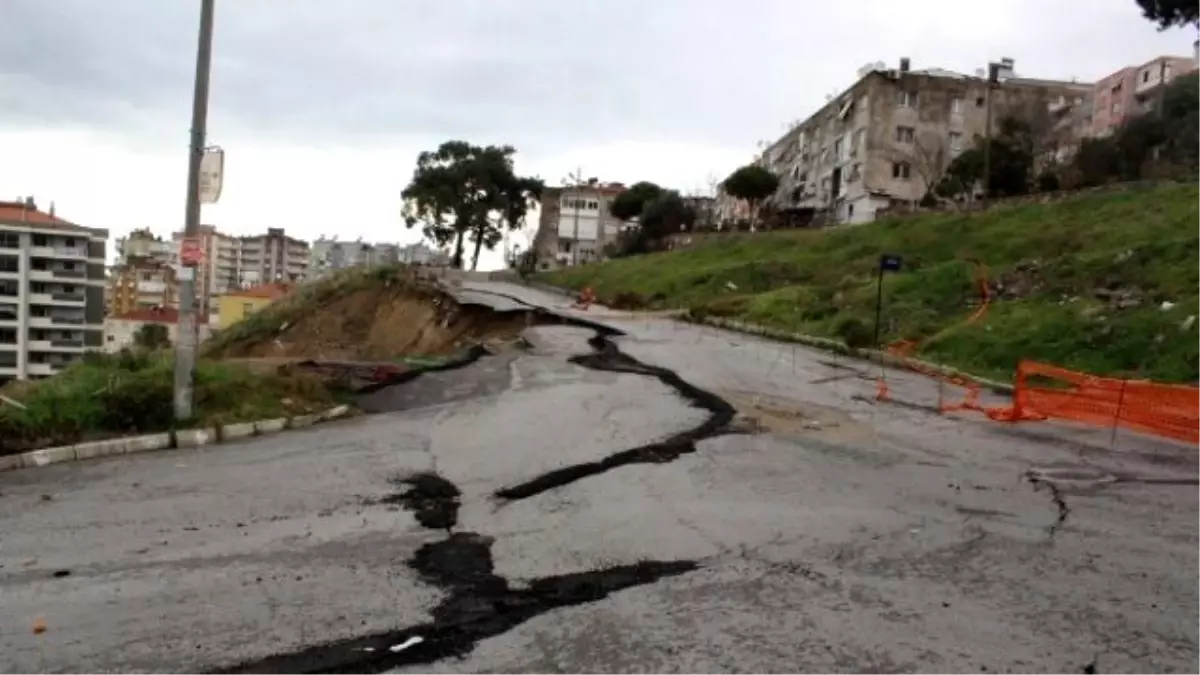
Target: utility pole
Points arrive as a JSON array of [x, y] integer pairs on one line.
[[993, 77], [185, 349], [577, 180]]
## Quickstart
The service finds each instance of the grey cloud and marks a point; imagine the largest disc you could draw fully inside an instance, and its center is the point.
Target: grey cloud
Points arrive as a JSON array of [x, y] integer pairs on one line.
[[542, 74], [532, 70]]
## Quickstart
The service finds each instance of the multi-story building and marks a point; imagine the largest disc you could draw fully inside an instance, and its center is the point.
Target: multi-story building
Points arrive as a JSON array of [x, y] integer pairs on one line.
[[1134, 90], [575, 224], [142, 284], [890, 136], [327, 255], [51, 290], [143, 245], [232, 263]]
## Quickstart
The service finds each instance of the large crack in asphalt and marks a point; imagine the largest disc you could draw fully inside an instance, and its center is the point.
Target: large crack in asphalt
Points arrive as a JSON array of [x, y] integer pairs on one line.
[[1036, 479], [478, 602], [607, 356]]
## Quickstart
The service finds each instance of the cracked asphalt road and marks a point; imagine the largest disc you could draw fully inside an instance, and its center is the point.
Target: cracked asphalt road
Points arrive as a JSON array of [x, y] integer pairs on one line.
[[883, 538]]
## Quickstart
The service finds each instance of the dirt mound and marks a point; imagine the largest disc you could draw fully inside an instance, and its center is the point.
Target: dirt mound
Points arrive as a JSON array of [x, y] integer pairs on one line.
[[380, 315]]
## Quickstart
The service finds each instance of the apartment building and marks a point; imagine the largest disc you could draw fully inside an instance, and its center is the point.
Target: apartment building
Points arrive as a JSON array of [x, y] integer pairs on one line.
[[1134, 90], [51, 290], [144, 245], [889, 137], [120, 331], [232, 263], [575, 224], [142, 284]]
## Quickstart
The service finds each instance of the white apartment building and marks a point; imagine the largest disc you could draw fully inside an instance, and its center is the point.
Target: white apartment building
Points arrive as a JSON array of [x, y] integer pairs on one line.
[[51, 291], [330, 254], [575, 224]]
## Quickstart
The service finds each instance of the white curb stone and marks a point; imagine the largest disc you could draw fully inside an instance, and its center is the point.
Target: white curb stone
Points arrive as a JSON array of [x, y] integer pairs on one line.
[[231, 432], [270, 426], [194, 438]]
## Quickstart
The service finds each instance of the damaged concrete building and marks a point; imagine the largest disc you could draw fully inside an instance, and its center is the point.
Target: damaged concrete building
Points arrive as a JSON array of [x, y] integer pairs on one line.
[[890, 136]]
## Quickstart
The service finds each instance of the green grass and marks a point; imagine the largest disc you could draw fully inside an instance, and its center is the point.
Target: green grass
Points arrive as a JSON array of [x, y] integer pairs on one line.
[[112, 395], [813, 281]]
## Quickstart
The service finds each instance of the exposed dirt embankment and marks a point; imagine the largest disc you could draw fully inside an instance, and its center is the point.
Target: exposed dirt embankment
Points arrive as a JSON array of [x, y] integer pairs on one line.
[[378, 316]]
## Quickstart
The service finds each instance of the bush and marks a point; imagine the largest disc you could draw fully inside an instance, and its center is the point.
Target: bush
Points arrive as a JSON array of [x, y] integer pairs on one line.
[[854, 333]]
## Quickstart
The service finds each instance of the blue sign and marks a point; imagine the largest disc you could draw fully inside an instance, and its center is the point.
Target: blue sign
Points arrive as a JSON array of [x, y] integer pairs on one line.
[[889, 262]]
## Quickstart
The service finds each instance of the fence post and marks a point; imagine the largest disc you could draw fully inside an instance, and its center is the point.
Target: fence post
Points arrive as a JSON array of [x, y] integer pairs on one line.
[[1112, 441]]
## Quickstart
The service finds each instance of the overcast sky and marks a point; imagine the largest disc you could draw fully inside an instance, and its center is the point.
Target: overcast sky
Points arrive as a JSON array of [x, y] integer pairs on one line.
[[322, 105]]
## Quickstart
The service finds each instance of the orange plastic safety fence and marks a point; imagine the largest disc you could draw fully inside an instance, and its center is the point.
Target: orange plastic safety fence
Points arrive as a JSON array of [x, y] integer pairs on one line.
[[1168, 410], [904, 349]]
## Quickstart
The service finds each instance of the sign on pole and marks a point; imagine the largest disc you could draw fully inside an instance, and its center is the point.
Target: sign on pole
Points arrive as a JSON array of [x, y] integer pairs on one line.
[[887, 263], [191, 253], [212, 175]]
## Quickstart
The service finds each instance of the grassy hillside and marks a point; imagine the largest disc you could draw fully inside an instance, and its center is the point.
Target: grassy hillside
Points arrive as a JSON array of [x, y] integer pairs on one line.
[[1079, 282]]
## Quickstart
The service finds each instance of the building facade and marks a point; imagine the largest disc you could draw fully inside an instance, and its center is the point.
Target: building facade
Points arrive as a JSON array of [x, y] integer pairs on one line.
[[1134, 90], [237, 305], [889, 137], [142, 284], [327, 255], [120, 330], [575, 224], [233, 263], [51, 290]]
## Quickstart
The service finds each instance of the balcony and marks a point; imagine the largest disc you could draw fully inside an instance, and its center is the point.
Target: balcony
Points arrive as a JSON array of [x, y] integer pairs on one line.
[[153, 286], [63, 343], [59, 296], [69, 274], [69, 252]]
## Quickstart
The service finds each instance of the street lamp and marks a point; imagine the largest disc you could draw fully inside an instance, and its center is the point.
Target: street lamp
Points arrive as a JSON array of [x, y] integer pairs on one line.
[[993, 79], [185, 349], [574, 181]]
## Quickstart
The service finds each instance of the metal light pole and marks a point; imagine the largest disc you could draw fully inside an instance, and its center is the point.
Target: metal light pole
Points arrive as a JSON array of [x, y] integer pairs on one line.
[[576, 180], [993, 77], [185, 348]]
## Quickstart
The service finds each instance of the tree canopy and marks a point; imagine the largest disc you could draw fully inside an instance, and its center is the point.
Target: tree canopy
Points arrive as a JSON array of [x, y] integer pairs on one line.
[[1168, 13], [752, 183], [629, 204], [462, 192]]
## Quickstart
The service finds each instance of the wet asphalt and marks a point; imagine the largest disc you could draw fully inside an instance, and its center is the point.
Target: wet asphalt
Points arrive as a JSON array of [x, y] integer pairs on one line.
[[843, 535]]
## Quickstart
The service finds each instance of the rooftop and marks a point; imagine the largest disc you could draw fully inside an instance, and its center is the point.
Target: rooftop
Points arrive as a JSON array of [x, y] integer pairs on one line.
[[27, 213], [268, 291]]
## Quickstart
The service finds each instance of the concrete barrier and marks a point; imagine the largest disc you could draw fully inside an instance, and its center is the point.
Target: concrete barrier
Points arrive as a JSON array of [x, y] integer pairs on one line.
[[183, 438]]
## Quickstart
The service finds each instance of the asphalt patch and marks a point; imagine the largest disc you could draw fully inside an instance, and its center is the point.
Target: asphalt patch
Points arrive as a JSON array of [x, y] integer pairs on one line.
[[433, 500], [608, 357]]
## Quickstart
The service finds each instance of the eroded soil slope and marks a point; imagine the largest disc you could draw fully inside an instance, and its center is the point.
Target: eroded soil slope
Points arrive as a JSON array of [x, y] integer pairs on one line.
[[390, 318]]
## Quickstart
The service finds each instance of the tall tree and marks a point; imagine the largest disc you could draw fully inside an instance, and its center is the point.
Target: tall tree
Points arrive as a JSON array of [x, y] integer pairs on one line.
[[752, 183], [462, 191], [629, 204], [1168, 13]]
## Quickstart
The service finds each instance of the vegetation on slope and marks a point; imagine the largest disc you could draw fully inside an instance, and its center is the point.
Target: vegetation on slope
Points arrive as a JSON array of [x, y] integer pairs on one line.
[[1100, 282], [108, 395]]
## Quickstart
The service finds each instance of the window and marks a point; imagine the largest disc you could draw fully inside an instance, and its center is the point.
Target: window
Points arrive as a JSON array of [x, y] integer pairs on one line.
[[838, 147], [9, 264], [1166, 72], [39, 240], [147, 276], [902, 170], [957, 106], [905, 134], [109, 338], [69, 266], [908, 99], [1145, 76], [10, 240], [856, 140], [955, 142]]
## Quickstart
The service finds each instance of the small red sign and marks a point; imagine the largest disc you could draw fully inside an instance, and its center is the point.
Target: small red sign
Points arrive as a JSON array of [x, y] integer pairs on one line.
[[190, 252]]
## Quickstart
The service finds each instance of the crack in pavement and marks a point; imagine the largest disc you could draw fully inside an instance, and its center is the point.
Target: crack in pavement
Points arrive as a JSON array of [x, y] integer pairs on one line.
[[608, 357], [479, 603], [1036, 479]]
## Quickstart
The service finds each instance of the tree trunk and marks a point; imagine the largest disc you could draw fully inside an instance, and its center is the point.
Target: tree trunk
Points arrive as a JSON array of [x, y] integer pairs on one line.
[[458, 250], [478, 246]]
